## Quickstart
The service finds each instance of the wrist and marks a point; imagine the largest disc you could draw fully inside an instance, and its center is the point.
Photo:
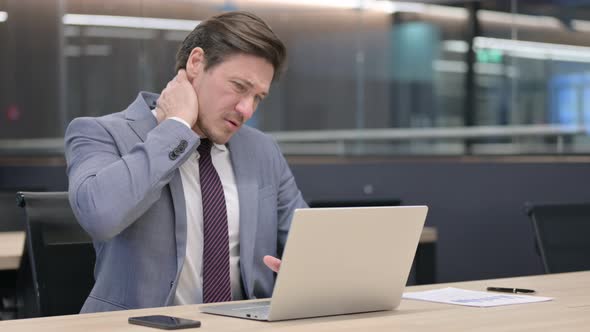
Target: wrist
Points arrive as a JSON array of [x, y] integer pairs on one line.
[[184, 122]]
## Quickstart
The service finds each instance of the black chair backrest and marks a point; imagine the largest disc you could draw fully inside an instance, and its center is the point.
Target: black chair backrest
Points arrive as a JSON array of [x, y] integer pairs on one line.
[[56, 272], [11, 219], [562, 232], [354, 203]]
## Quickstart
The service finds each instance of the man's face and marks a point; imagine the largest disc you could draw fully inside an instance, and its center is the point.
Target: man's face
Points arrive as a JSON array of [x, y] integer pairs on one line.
[[229, 93]]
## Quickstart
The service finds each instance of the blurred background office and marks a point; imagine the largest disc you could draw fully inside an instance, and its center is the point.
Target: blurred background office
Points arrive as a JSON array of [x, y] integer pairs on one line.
[[471, 107], [353, 65]]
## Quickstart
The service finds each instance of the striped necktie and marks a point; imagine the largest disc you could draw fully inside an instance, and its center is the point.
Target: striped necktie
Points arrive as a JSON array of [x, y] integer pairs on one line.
[[216, 280]]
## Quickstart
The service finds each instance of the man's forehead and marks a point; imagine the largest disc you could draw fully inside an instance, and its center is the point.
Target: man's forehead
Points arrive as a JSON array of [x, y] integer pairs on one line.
[[248, 63]]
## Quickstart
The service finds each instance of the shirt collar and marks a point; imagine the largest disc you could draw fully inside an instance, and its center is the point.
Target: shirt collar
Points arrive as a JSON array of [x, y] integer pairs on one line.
[[220, 147]]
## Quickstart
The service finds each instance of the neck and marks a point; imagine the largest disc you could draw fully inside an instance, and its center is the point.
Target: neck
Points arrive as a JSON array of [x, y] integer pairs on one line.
[[198, 131]]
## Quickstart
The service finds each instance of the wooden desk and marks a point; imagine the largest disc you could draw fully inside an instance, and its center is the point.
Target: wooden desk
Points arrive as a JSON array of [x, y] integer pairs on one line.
[[11, 249], [569, 311]]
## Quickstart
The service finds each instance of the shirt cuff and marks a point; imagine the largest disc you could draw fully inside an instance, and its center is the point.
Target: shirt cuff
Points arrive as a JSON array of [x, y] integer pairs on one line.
[[180, 120]]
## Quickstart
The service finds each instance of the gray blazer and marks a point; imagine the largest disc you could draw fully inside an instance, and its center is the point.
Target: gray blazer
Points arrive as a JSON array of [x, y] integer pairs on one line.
[[126, 191]]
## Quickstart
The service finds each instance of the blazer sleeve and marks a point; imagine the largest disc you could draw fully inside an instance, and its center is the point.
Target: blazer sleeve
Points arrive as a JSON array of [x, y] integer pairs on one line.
[[109, 190], [289, 198]]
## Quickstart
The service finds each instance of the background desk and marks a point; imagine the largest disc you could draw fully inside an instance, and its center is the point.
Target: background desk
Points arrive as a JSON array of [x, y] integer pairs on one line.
[[11, 249], [569, 311]]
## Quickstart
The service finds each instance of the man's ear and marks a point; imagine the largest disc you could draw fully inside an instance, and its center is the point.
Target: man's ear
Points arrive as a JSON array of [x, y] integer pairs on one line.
[[195, 63]]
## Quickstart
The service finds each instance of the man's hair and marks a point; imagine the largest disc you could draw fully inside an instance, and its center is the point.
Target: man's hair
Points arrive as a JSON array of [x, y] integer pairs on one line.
[[233, 33]]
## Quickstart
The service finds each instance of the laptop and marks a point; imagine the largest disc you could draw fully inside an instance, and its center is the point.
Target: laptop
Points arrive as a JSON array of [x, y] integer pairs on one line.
[[339, 261]]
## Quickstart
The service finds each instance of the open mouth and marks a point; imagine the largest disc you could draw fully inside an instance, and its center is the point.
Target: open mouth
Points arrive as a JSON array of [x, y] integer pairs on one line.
[[234, 120], [233, 123]]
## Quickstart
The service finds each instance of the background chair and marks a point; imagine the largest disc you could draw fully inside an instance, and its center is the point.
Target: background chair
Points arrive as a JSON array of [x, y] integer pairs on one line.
[[11, 220], [319, 203], [56, 272], [562, 233], [11, 216]]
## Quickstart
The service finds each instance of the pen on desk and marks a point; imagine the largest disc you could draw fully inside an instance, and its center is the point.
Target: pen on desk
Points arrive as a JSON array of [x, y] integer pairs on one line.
[[510, 290]]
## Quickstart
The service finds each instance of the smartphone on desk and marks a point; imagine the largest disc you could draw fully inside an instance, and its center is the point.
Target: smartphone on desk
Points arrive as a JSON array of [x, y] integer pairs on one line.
[[165, 322]]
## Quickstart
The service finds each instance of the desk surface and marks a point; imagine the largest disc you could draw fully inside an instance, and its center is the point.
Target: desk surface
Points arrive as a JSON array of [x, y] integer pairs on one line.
[[569, 311], [12, 243], [11, 249]]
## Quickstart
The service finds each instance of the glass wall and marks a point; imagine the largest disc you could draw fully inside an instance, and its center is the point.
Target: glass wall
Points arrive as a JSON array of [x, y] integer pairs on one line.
[[372, 77]]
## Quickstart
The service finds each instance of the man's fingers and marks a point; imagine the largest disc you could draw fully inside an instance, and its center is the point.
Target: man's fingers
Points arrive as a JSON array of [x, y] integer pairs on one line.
[[181, 75], [160, 116], [178, 99], [273, 263]]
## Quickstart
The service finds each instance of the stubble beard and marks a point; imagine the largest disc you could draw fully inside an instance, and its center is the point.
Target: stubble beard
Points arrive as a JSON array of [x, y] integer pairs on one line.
[[221, 136]]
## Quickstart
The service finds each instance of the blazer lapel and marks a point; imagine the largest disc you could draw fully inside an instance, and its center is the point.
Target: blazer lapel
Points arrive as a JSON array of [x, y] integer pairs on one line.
[[248, 200], [179, 204], [142, 121]]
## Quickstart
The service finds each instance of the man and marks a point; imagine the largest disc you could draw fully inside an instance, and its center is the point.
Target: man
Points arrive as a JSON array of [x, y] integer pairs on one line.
[[184, 203]]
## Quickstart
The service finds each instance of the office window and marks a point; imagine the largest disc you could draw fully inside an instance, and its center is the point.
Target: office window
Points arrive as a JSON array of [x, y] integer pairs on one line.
[[364, 77]]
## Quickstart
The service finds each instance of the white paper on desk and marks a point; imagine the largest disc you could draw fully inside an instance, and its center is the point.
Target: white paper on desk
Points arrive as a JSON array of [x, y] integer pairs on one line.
[[471, 298]]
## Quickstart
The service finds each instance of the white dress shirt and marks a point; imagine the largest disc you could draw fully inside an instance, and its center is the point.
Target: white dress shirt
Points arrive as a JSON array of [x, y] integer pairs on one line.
[[190, 284]]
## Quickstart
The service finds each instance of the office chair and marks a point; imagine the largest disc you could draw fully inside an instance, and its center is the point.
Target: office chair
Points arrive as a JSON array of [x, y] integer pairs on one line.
[[562, 234], [351, 203], [10, 221], [56, 272]]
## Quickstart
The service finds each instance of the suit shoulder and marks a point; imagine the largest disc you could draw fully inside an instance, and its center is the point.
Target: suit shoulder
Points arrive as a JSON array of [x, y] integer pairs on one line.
[[261, 145], [106, 121], [248, 131], [250, 134]]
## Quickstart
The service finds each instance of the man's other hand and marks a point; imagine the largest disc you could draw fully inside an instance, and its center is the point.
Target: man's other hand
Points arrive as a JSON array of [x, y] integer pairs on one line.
[[178, 99], [273, 263]]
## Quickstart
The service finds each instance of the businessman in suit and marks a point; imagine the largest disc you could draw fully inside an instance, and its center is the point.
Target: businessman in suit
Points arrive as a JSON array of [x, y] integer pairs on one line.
[[186, 204]]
